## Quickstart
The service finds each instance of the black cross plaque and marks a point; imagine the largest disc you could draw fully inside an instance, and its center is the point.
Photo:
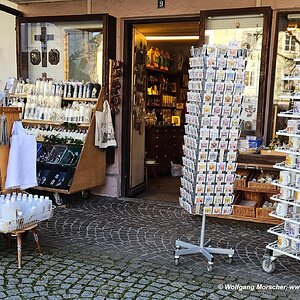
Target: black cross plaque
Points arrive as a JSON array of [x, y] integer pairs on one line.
[[43, 38]]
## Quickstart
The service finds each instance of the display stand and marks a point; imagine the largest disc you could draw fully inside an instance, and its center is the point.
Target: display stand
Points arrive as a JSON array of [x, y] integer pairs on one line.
[[91, 166], [211, 136], [288, 208]]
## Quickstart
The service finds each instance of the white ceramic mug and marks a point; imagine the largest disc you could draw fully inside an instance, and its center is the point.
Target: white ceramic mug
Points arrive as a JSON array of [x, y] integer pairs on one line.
[[295, 143], [290, 160], [282, 242], [297, 196], [285, 193], [284, 177], [281, 209], [297, 180]]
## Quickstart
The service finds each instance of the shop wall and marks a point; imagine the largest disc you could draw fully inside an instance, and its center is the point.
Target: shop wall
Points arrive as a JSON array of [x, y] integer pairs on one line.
[[7, 46], [126, 9]]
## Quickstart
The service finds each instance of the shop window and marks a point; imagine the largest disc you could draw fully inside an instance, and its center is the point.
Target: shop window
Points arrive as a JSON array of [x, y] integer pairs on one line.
[[290, 43], [247, 28]]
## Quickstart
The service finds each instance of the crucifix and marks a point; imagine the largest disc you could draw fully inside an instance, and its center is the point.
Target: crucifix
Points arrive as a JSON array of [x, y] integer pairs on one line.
[[43, 38]]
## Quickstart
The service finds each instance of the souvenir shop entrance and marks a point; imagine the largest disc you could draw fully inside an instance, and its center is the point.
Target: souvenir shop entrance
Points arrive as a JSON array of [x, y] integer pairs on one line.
[[156, 83]]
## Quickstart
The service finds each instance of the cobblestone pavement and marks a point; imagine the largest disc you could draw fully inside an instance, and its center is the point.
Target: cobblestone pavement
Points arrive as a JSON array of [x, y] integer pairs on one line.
[[107, 248]]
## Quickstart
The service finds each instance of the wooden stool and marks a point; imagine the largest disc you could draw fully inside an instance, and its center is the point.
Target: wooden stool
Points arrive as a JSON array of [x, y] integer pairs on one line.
[[18, 233], [152, 166]]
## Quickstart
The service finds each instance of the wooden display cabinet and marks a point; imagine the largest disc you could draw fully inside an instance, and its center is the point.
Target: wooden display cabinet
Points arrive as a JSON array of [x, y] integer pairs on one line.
[[164, 144], [163, 92], [91, 166]]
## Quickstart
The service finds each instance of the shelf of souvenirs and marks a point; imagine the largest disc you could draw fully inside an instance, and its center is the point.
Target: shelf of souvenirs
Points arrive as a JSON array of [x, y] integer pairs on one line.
[[53, 123], [289, 187], [160, 106], [289, 217], [163, 71], [63, 98], [287, 251], [282, 166], [289, 114], [279, 231]]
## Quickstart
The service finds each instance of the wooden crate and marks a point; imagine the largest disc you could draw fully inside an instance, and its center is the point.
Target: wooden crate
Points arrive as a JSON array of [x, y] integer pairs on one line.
[[263, 213], [242, 182], [243, 210], [261, 186]]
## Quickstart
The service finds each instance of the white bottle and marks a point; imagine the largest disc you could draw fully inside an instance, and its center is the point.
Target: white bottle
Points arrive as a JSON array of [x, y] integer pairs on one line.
[[8, 212]]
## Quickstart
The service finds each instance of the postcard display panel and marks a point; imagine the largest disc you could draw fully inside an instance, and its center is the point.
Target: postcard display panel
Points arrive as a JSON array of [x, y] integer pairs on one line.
[[211, 132]]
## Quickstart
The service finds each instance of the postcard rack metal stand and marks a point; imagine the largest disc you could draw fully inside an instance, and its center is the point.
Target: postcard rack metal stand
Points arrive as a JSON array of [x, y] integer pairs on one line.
[[210, 142], [204, 248]]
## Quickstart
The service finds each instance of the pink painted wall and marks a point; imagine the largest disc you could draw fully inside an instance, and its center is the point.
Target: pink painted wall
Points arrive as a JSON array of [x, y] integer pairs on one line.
[[129, 9]]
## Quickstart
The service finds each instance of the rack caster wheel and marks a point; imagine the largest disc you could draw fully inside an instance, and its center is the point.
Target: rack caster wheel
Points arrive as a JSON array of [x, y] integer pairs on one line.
[[178, 247], [58, 199], [229, 260], [176, 261], [209, 268], [268, 266]]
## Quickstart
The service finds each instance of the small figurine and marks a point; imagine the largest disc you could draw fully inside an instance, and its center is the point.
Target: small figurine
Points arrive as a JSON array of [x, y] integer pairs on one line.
[[156, 57], [150, 58]]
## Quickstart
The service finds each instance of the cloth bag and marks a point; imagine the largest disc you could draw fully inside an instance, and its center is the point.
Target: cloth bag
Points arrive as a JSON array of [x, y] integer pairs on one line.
[[21, 168], [104, 130]]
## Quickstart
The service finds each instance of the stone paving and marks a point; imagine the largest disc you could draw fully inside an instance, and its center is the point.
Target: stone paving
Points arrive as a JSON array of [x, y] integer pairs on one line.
[[107, 248]]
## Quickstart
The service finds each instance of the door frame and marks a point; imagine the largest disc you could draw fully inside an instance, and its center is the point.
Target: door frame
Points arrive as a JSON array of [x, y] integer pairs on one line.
[[126, 107]]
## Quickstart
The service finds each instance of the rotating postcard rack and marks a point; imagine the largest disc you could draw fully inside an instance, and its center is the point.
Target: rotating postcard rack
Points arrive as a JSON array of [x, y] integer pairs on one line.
[[211, 136]]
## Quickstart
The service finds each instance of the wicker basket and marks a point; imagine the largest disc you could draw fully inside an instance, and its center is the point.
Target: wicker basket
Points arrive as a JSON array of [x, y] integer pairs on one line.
[[261, 186], [246, 211], [242, 182], [263, 213]]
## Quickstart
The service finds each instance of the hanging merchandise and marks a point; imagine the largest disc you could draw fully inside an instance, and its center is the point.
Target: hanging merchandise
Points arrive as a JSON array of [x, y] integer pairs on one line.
[[3, 131], [21, 168], [211, 136], [116, 83], [104, 130]]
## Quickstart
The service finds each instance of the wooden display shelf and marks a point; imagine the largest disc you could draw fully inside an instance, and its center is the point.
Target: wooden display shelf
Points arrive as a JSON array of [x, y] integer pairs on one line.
[[163, 71], [43, 122], [52, 190], [263, 191], [63, 98], [246, 219], [17, 95], [91, 166], [80, 99]]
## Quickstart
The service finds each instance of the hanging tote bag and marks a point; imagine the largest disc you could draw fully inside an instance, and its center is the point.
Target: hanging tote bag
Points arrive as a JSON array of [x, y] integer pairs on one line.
[[104, 131], [21, 168]]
